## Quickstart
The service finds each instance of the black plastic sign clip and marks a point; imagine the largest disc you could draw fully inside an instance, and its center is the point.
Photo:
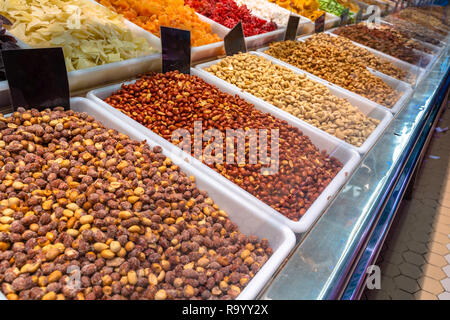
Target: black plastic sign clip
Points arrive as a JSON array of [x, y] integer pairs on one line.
[[444, 16], [292, 27], [234, 41], [37, 78], [319, 24], [176, 50], [359, 16], [344, 16]]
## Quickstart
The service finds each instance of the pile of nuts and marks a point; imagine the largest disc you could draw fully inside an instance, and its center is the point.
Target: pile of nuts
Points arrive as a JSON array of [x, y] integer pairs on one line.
[[365, 57], [383, 39], [414, 30], [88, 213], [430, 19], [326, 61], [167, 102], [296, 94]]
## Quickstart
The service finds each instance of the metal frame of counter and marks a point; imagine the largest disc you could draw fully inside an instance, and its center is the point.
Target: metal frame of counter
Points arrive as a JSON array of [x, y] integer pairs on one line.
[[331, 260]]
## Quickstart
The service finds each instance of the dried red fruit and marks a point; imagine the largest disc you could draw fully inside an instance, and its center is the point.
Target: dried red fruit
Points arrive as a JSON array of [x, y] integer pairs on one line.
[[228, 13]]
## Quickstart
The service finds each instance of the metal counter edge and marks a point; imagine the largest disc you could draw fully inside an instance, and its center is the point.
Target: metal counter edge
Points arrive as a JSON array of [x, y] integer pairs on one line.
[[323, 261]]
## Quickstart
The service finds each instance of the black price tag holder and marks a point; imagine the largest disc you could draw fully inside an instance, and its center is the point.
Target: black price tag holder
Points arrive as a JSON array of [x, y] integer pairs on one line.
[[359, 16], [403, 4], [176, 50], [319, 24], [291, 28], [444, 15], [344, 16], [4, 20], [234, 41], [37, 78]]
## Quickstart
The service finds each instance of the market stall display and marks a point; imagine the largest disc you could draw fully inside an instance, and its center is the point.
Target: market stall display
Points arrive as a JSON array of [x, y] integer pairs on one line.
[[90, 35], [239, 180]]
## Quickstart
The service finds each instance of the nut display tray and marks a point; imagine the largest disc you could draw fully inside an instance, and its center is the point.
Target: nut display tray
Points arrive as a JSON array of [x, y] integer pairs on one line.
[[365, 106], [418, 72], [403, 88], [348, 156], [430, 57], [249, 219]]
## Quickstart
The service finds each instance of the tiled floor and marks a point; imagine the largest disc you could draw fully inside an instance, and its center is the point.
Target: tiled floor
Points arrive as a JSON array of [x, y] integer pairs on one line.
[[415, 259]]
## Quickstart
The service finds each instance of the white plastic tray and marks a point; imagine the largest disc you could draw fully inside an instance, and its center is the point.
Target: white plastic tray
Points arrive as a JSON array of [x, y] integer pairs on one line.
[[348, 156], [403, 88], [419, 73], [367, 107], [436, 50], [249, 220]]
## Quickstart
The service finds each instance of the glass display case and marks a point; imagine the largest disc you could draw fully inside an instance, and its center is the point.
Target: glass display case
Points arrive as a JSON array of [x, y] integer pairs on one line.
[[327, 131]]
